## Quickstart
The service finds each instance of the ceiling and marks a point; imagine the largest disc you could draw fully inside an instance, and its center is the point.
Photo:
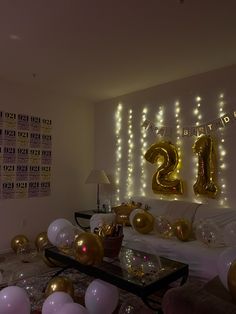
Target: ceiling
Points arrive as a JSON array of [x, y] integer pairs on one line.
[[98, 49]]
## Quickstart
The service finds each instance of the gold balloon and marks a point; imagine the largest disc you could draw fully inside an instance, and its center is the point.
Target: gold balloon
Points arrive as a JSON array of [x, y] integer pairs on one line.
[[206, 179], [143, 222], [232, 280], [41, 241], [88, 249], [18, 241], [60, 283], [182, 229], [162, 181]]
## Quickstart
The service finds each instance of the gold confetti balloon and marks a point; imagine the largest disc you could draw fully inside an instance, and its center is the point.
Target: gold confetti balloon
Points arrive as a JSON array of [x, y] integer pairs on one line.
[[41, 241], [19, 241], [88, 249], [143, 222], [60, 283]]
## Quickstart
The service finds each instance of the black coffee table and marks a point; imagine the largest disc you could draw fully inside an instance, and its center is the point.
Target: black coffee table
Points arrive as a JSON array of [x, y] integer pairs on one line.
[[114, 272]]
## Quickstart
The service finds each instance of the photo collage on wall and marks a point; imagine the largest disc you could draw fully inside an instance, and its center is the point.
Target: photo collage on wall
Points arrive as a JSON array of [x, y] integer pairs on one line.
[[25, 156]]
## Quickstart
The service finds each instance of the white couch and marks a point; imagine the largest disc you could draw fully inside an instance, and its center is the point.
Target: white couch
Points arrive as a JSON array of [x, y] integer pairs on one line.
[[202, 260]]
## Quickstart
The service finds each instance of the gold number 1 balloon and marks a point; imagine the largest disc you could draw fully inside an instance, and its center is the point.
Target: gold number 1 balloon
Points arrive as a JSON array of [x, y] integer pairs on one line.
[[206, 179], [162, 181]]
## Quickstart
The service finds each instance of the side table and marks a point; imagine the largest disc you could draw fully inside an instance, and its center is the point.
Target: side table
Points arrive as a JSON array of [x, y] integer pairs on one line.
[[82, 218]]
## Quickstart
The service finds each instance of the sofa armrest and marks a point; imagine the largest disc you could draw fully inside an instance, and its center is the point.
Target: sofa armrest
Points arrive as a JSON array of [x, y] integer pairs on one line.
[[194, 298]]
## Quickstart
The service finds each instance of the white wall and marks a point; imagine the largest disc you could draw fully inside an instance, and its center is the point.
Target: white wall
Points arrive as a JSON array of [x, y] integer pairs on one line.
[[73, 154], [208, 86]]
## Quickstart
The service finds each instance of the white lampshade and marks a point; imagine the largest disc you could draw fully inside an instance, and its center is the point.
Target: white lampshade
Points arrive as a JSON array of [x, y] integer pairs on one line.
[[98, 177]]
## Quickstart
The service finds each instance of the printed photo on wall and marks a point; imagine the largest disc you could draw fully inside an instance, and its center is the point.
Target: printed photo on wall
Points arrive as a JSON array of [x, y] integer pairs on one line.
[[25, 156]]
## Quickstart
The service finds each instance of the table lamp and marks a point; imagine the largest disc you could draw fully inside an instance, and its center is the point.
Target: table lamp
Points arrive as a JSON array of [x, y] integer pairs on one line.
[[98, 177]]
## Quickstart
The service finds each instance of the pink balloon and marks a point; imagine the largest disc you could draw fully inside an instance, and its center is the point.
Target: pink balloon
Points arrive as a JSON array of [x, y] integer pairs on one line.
[[73, 308], [55, 301], [55, 227], [101, 297], [14, 300]]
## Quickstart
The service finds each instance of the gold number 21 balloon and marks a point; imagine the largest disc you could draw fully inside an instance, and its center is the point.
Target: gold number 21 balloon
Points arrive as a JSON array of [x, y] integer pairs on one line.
[[167, 154], [205, 184]]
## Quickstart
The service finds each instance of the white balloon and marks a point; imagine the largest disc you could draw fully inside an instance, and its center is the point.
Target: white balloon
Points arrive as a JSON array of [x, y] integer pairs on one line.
[[225, 260], [73, 308], [55, 227], [14, 300], [101, 297], [230, 234], [55, 301]]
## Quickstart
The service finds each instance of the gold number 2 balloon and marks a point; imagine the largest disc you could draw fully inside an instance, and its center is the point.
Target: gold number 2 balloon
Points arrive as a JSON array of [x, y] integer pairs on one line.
[[205, 184], [163, 181]]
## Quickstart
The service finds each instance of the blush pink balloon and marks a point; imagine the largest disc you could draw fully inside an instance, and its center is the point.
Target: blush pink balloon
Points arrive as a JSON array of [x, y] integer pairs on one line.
[[101, 297], [73, 308], [55, 301], [14, 300]]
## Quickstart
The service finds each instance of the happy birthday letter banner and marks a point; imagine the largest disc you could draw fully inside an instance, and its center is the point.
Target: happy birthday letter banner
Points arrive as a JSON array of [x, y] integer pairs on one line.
[[206, 128], [25, 156]]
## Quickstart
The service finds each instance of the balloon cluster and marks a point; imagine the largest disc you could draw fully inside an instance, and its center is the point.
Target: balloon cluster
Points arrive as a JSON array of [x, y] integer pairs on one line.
[[100, 297], [87, 248], [143, 222]]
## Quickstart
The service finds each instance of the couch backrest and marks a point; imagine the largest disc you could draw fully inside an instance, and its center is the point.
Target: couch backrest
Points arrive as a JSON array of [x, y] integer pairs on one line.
[[220, 216], [172, 210]]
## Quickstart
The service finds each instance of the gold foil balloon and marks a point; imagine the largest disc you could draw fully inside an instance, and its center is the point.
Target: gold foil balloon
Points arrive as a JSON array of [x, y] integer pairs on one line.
[[60, 283], [143, 222], [206, 179], [18, 241], [232, 280], [182, 229], [165, 155], [88, 249], [41, 241]]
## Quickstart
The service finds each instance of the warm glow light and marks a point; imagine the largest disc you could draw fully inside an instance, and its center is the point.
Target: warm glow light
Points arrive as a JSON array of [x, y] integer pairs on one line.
[[129, 180], [143, 151], [198, 116], [198, 98], [222, 152], [178, 137], [118, 117]]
